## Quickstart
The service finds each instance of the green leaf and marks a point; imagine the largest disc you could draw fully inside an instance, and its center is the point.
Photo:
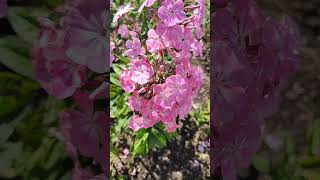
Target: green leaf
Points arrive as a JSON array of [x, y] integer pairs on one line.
[[11, 152], [289, 146], [117, 68], [309, 161], [54, 155], [140, 146], [5, 132], [315, 144], [261, 164], [156, 139], [10, 57], [311, 175], [38, 156], [24, 21], [52, 108], [113, 152], [8, 105], [123, 59], [54, 3], [15, 84], [114, 79]]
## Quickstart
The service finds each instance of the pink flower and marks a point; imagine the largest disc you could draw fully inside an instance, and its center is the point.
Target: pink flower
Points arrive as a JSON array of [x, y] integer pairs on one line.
[[185, 107], [85, 27], [171, 126], [123, 31], [121, 11], [137, 103], [138, 122], [196, 79], [57, 74], [126, 83], [134, 48], [141, 71], [172, 13], [126, 152], [133, 34], [182, 58], [87, 128], [177, 87], [163, 97], [184, 40], [167, 115], [197, 48], [147, 3], [153, 42]]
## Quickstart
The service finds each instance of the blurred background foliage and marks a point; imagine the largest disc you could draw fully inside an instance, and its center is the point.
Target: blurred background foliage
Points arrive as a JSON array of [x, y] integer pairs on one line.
[[27, 113]]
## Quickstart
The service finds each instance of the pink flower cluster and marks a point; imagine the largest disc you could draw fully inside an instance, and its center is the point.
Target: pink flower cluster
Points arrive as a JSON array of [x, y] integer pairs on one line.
[[163, 87], [70, 58]]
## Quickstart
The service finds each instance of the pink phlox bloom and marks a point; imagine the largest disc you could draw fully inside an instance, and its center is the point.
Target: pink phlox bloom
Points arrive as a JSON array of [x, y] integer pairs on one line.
[[163, 97], [184, 40], [171, 126], [172, 12], [153, 42], [57, 74], [177, 87], [201, 11], [126, 152], [65, 137], [85, 37], [197, 79], [168, 115], [126, 83], [184, 107], [197, 48], [86, 132], [181, 58], [133, 34], [141, 71], [199, 32], [123, 31], [134, 48], [147, 3], [163, 32], [151, 110], [184, 69], [121, 11], [137, 103], [138, 122]]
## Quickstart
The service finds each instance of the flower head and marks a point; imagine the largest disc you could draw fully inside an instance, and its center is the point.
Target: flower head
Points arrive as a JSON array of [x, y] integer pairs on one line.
[[172, 12]]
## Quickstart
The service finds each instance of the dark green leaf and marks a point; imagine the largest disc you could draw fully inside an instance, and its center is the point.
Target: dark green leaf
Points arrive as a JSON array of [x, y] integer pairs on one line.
[[24, 21], [261, 164], [13, 58]]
